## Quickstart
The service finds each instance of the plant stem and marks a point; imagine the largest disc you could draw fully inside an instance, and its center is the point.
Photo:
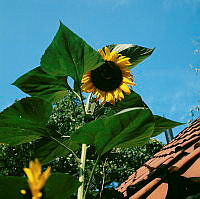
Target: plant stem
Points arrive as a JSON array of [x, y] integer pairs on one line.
[[82, 171], [83, 156], [91, 175]]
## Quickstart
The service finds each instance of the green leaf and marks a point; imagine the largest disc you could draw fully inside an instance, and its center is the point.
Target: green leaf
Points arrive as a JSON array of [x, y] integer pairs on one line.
[[38, 83], [10, 187], [107, 133], [61, 186], [69, 55], [58, 185], [135, 52], [129, 101], [47, 150], [162, 124], [24, 121]]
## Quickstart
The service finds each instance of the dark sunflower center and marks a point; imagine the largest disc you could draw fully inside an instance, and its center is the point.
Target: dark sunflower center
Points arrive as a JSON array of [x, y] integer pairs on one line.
[[107, 77]]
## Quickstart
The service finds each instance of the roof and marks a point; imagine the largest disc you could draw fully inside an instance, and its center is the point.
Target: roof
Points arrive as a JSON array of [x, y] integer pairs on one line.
[[176, 167]]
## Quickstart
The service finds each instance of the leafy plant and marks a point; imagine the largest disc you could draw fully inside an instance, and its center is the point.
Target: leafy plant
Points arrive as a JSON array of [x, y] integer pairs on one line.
[[121, 119]]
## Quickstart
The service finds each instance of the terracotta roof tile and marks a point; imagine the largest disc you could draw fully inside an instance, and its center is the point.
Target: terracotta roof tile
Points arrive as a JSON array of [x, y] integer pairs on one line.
[[180, 158]]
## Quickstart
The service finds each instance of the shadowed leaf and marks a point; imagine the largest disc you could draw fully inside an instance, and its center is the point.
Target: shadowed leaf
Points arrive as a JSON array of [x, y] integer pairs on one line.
[[10, 187], [24, 121], [61, 186], [47, 150], [38, 83]]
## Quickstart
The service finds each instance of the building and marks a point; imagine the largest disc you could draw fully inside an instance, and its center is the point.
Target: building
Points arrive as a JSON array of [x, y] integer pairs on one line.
[[173, 172]]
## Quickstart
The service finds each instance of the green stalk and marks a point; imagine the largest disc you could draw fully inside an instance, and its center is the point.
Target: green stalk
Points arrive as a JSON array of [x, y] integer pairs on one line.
[[82, 172], [83, 159], [91, 175]]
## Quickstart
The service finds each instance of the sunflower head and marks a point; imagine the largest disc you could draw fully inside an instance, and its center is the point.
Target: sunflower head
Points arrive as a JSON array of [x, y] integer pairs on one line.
[[110, 81], [36, 179]]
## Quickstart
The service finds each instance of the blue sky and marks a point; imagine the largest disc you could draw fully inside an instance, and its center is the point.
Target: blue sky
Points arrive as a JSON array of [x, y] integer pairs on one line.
[[165, 80]]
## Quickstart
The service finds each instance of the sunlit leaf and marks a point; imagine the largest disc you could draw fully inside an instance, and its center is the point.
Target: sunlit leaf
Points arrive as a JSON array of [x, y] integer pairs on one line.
[[38, 83], [162, 124], [69, 55], [47, 150], [24, 121], [135, 52], [106, 133]]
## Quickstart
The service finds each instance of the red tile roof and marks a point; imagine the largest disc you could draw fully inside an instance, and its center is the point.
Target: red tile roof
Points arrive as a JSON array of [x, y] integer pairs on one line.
[[175, 164]]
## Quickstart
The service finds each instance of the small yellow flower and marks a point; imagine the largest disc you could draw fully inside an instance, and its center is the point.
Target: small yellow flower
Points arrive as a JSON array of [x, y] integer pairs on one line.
[[36, 179], [111, 80]]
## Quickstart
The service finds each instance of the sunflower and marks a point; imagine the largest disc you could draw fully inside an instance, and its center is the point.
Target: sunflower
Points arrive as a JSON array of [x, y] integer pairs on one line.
[[36, 179], [110, 81]]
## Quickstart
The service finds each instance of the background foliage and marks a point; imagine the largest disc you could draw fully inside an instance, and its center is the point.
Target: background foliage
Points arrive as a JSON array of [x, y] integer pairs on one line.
[[66, 117]]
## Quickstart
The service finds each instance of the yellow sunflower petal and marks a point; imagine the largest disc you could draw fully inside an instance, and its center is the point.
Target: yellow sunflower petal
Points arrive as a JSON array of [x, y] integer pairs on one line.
[[87, 86], [121, 95], [127, 75], [97, 93], [103, 97], [29, 174], [31, 164], [88, 74], [107, 51], [102, 53], [47, 173], [116, 93], [123, 60], [125, 70], [121, 57], [124, 64], [89, 90], [127, 81], [110, 97], [125, 88], [86, 79], [37, 168], [113, 56]]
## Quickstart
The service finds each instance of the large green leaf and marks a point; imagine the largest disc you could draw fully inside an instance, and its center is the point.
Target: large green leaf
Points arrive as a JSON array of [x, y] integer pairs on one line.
[[69, 55], [24, 121], [106, 133], [47, 150], [58, 185], [61, 186], [38, 83], [162, 124], [135, 52], [10, 187], [129, 101]]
